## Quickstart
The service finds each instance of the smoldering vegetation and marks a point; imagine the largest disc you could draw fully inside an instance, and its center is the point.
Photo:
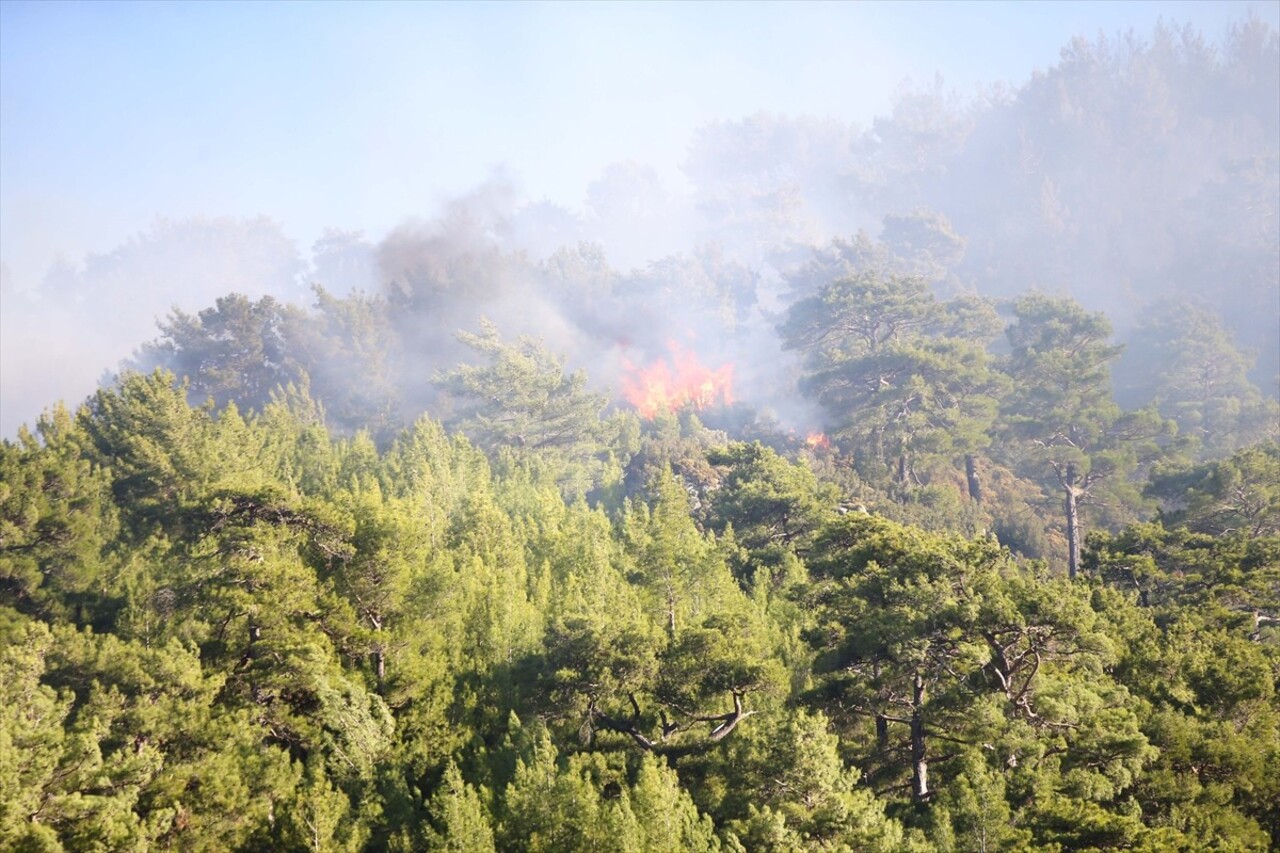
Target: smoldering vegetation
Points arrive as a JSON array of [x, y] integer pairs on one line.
[[1137, 175]]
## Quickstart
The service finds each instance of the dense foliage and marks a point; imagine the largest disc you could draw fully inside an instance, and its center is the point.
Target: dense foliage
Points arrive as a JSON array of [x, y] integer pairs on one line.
[[229, 632], [378, 574]]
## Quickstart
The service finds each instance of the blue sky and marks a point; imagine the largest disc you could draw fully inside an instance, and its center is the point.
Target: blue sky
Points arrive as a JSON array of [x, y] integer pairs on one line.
[[359, 115]]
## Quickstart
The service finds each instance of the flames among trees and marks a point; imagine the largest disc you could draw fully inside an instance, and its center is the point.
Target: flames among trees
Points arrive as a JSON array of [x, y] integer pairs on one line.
[[680, 382], [543, 623]]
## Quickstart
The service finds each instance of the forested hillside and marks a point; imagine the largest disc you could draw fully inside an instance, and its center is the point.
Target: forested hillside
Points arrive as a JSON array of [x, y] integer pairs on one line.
[[884, 543], [229, 632]]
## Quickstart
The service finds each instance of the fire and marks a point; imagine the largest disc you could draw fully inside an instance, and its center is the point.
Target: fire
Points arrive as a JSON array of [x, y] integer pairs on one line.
[[681, 382], [818, 440]]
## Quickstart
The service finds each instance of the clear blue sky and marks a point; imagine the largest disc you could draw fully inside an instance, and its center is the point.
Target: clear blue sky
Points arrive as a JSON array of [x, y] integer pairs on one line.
[[359, 115]]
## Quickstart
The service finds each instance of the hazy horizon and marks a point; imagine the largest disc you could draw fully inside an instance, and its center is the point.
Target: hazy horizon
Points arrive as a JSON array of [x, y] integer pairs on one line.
[[266, 124]]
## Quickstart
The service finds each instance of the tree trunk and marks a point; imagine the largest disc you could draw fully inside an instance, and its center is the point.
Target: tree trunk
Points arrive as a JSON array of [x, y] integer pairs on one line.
[[378, 654], [250, 652], [882, 722], [971, 474], [729, 721], [1072, 507], [919, 764]]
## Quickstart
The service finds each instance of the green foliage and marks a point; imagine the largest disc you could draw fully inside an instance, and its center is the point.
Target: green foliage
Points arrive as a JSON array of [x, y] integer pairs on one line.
[[928, 643], [155, 447], [354, 365], [245, 352], [1063, 426], [904, 379], [459, 820], [238, 350], [679, 569], [144, 755], [1182, 360], [56, 519], [522, 399], [774, 507], [549, 807], [1201, 648], [811, 799], [239, 632], [1236, 495], [586, 802]]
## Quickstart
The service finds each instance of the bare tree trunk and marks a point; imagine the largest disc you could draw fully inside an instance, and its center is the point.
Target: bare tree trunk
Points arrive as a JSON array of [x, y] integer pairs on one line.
[[251, 652], [728, 721], [378, 654], [882, 722], [1072, 508], [919, 764], [971, 474]]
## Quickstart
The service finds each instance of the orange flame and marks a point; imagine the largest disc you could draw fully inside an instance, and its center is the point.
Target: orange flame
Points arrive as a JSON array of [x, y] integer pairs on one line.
[[682, 383], [818, 440]]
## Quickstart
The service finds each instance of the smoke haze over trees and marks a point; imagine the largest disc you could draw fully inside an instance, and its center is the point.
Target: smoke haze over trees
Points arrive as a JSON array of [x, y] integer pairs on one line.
[[1135, 169], [904, 485]]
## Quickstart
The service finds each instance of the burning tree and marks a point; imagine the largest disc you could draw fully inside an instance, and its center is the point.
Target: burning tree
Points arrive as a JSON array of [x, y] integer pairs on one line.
[[682, 382]]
